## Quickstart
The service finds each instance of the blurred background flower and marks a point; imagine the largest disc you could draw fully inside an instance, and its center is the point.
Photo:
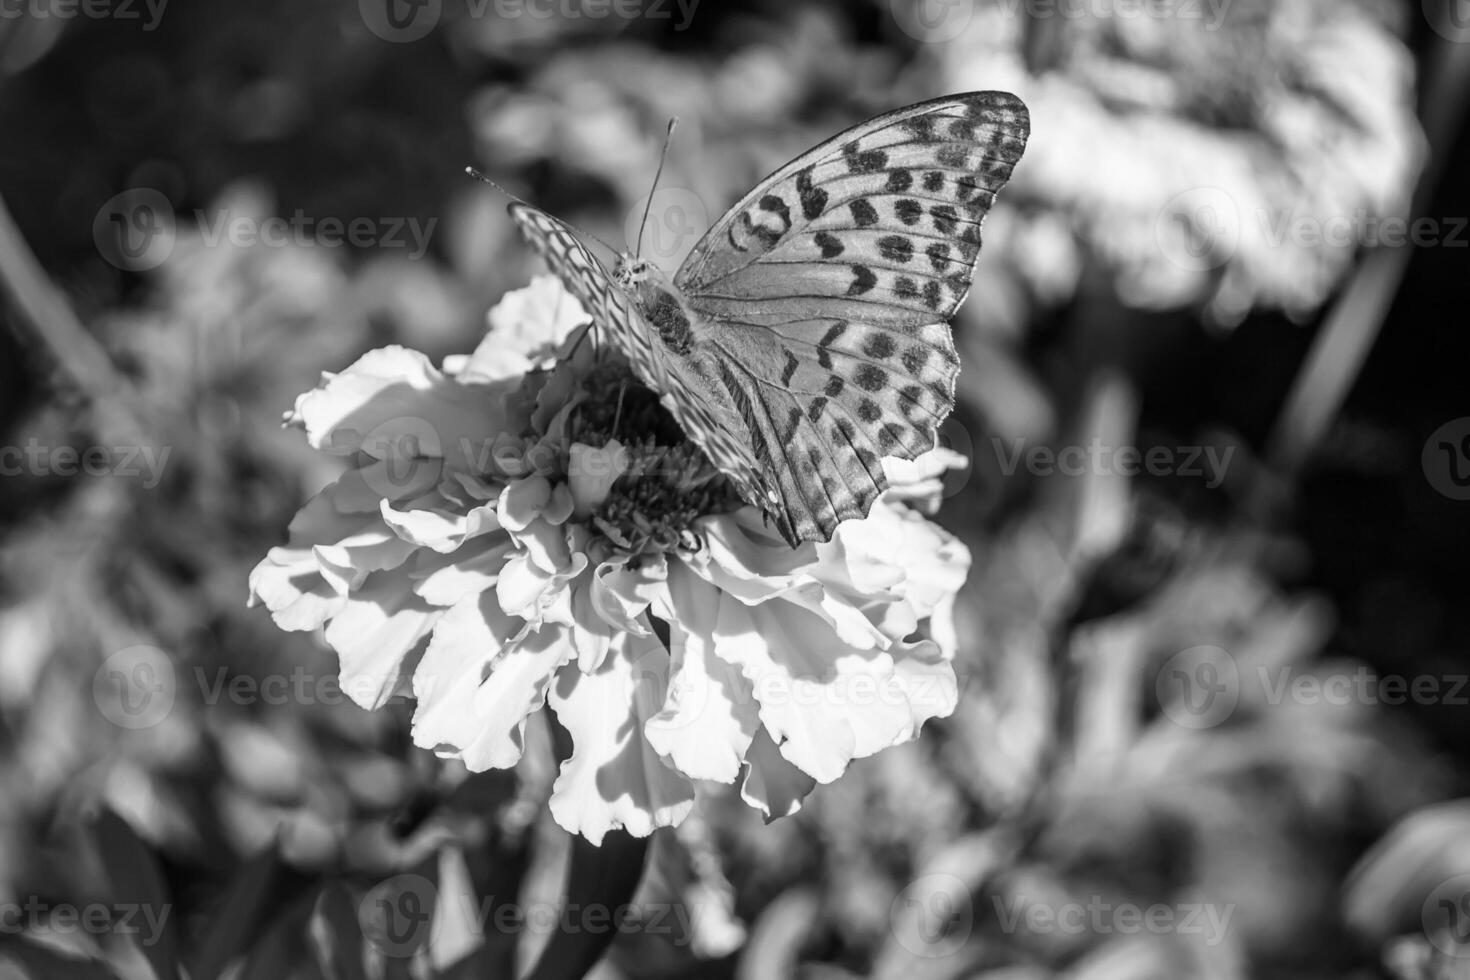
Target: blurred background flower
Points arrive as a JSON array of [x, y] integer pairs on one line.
[[1209, 666]]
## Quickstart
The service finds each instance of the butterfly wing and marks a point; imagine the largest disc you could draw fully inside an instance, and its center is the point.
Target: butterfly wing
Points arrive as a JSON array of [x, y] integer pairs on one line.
[[707, 421], [825, 295]]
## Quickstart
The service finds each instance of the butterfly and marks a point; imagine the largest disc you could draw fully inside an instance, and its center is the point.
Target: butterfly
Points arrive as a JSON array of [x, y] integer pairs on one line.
[[806, 335]]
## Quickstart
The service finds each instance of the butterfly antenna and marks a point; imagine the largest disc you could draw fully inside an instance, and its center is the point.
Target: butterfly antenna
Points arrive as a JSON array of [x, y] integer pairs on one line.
[[668, 138], [520, 200]]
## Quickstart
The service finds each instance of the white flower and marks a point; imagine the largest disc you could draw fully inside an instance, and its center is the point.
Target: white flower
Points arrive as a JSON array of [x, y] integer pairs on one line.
[[526, 529]]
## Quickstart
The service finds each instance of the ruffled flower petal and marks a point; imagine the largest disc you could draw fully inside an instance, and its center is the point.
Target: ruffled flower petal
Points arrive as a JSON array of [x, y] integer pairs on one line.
[[771, 784], [708, 718], [393, 401], [615, 778], [826, 704]]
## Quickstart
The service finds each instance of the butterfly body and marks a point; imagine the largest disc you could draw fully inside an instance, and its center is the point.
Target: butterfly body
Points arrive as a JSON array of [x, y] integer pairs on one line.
[[806, 336]]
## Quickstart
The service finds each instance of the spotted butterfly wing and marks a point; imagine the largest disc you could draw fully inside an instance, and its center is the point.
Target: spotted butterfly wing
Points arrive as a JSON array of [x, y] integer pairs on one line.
[[824, 295], [806, 334]]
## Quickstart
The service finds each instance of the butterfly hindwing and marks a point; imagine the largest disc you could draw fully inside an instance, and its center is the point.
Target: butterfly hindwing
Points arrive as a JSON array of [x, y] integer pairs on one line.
[[823, 297]]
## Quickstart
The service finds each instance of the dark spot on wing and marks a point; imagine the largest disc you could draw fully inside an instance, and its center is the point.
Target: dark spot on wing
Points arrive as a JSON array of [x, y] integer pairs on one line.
[[815, 409], [835, 384], [864, 161], [870, 377], [791, 365], [899, 181], [933, 181], [905, 288], [896, 248], [931, 294], [953, 156], [945, 218], [915, 358], [868, 410], [829, 243], [793, 419], [863, 280], [863, 213], [824, 357], [879, 345], [938, 254], [909, 211], [813, 199]]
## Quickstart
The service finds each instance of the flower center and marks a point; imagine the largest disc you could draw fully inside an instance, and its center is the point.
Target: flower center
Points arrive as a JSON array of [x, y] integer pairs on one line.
[[669, 485]]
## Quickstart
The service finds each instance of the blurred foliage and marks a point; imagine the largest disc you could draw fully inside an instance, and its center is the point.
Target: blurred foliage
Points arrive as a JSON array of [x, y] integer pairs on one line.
[[1064, 776]]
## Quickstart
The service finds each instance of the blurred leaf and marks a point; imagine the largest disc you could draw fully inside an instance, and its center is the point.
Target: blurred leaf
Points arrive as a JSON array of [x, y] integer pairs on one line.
[[335, 934], [135, 879], [1386, 891], [604, 877], [251, 896], [40, 963]]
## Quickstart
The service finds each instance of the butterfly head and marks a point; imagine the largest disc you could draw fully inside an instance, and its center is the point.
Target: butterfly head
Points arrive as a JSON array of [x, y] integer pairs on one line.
[[632, 270]]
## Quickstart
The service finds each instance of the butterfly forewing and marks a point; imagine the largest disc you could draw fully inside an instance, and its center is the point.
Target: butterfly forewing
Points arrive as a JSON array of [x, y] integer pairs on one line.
[[708, 422], [824, 296]]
